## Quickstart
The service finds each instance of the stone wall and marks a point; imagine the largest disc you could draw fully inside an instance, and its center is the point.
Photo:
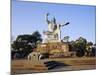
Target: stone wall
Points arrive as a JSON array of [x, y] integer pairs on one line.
[[52, 48]]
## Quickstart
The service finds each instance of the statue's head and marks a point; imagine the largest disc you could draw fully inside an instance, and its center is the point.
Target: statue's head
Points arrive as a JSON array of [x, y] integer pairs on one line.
[[53, 20]]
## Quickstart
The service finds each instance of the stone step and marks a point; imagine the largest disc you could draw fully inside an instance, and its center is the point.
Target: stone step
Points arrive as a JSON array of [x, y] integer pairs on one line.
[[53, 64]]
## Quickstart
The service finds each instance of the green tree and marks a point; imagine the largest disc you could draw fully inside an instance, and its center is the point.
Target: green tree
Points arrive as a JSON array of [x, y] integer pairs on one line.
[[89, 43], [89, 48], [72, 46], [94, 50], [80, 46], [66, 38], [24, 44]]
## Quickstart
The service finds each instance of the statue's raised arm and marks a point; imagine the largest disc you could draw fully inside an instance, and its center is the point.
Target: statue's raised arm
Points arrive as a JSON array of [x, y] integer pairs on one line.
[[46, 17]]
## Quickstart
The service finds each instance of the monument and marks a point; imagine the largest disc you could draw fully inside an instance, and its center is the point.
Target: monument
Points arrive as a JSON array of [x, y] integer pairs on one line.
[[54, 30], [53, 44]]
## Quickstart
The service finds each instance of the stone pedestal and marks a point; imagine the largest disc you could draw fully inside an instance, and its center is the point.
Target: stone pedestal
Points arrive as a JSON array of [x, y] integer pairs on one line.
[[54, 48]]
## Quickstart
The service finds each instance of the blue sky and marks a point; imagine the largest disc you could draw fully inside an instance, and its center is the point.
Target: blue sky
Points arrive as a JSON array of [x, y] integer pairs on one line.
[[28, 17]]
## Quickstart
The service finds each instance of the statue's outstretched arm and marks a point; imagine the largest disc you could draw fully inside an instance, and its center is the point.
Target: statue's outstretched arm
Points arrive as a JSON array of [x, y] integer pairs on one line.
[[65, 24]]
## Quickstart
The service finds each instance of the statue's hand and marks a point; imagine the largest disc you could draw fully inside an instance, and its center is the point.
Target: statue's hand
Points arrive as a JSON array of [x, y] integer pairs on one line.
[[66, 23]]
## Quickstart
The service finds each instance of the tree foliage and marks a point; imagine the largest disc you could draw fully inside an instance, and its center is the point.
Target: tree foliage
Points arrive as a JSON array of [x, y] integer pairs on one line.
[[80, 46], [24, 44], [66, 38]]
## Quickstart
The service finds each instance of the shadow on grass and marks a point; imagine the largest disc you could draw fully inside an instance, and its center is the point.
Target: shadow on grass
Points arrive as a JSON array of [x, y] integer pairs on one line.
[[54, 65]]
